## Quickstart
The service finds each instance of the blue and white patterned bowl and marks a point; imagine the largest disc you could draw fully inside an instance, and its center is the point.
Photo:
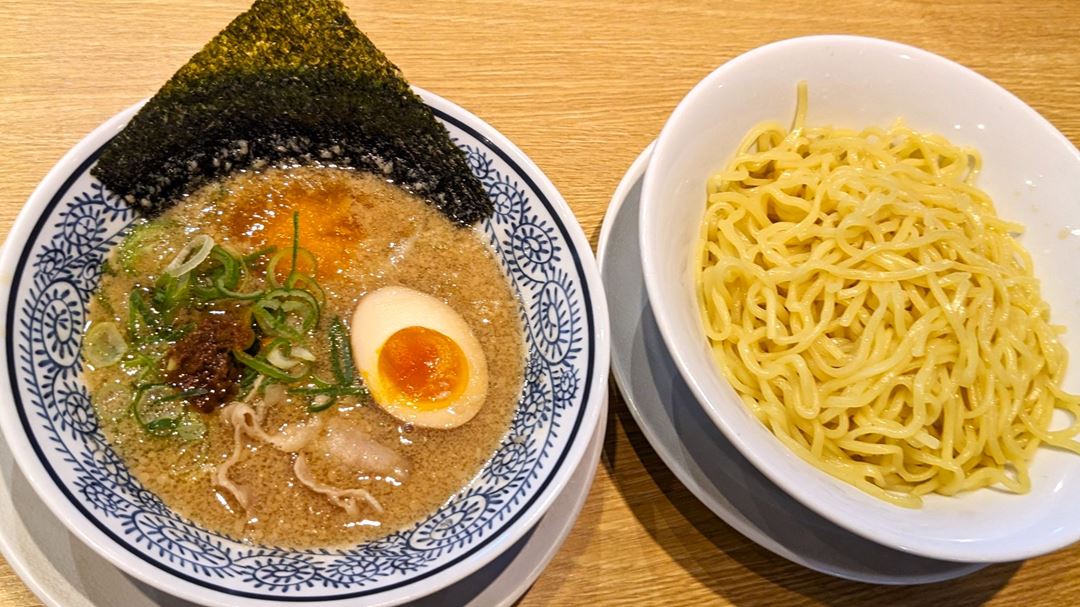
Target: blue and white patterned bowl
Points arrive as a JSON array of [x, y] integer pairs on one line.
[[52, 258]]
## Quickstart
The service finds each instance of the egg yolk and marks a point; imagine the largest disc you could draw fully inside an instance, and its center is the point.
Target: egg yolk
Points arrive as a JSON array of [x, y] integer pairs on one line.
[[423, 366]]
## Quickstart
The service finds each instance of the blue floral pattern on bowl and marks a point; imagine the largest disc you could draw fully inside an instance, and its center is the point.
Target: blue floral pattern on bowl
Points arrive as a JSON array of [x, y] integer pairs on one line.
[[58, 271]]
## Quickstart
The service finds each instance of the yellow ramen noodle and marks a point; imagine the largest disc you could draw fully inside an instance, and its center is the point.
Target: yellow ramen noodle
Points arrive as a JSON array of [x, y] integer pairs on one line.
[[873, 311]]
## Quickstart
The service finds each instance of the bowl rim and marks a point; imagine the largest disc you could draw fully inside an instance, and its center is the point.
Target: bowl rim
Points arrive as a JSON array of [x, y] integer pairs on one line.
[[136, 560], [715, 406]]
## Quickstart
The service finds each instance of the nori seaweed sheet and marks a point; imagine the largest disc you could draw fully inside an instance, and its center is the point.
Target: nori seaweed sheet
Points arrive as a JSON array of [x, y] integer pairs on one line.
[[288, 82]]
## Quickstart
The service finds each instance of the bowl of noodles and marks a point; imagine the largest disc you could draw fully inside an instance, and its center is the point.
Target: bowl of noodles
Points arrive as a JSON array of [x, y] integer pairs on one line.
[[854, 250], [145, 518], [295, 331]]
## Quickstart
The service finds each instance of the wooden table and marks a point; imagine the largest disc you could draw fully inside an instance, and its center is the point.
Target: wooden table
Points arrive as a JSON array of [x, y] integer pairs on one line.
[[581, 87]]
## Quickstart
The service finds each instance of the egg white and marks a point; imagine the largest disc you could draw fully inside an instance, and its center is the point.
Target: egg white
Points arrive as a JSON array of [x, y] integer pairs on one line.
[[386, 311]]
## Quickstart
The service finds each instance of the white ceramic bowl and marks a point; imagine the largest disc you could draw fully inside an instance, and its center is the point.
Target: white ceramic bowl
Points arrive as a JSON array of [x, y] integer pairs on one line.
[[51, 263], [1031, 170]]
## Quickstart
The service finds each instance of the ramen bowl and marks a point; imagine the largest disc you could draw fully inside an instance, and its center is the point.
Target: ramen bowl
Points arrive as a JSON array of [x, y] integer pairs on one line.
[[1030, 170], [52, 262]]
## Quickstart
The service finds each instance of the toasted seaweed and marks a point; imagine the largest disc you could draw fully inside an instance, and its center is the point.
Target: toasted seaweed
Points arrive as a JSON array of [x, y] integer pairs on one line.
[[288, 82]]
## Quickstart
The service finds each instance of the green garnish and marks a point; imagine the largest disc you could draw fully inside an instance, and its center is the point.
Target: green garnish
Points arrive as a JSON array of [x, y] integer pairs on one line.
[[263, 367], [332, 391], [203, 277], [341, 361], [341, 365], [104, 345], [169, 293], [142, 238], [220, 276], [140, 316], [300, 254], [160, 409], [288, 313], [295, 239]]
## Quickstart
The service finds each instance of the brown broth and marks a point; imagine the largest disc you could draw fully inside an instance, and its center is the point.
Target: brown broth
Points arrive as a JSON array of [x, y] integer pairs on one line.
[[370, 234]]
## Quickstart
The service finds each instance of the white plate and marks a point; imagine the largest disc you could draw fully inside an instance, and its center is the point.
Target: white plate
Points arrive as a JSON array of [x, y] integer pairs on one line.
[[63, 572], [1031, 171], [698, 453]]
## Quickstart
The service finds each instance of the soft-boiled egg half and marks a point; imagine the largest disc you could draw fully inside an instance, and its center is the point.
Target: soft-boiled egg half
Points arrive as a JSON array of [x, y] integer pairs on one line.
[[419, 359]]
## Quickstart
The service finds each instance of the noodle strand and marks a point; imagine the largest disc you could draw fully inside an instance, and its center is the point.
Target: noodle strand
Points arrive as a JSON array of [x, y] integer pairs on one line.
[[872, 311]]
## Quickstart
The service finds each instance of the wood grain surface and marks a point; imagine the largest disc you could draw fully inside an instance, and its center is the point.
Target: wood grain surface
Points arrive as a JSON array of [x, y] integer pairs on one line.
[[581, 87]]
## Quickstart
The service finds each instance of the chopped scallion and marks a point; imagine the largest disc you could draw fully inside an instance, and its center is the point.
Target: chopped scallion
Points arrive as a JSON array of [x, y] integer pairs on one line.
[[194, 253], [104, 345], [341, 362], [265, 368]]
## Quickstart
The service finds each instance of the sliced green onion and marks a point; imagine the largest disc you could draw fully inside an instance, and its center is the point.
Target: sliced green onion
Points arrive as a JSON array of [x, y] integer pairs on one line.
[[341, 364], [142, 362], [285, 311], [139, 314], [271, 268], [162, 426], [331, 391], [194, 253], [322, 402], [104, 345], [247, 379], [277, 342], [288, 313], [261, 366], [232, 267], [186, 394], [280, 360], [175, 333], [222, 271], [299, 254], [173, 288], [168, 293], [299, 280], [341, 361], [284, 355], [128, 251], [190, 428], [157, 409], [254, 256], [163, 412], [141, 238], [295, 238], [226, 292]]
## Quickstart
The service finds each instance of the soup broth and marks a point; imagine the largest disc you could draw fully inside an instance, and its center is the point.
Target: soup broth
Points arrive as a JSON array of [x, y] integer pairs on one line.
[[363, 234]]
